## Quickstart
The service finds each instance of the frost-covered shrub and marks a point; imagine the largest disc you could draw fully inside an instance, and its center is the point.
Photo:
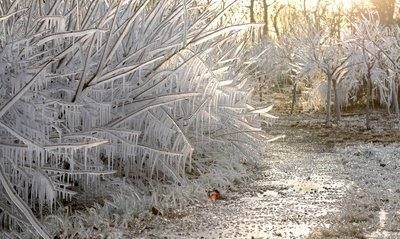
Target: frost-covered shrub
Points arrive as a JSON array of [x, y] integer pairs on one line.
[[133, 102]]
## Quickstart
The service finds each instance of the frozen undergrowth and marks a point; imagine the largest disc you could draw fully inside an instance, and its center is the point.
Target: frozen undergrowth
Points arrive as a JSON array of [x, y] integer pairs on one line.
[[376, 175], [119, 106], [371, 206]]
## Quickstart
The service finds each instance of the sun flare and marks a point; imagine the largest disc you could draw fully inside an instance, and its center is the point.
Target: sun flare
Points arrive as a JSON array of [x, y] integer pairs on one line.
[[344, 4]]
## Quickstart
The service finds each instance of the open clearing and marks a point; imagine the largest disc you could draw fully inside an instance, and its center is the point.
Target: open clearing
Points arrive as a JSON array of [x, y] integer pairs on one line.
[[341, 182]]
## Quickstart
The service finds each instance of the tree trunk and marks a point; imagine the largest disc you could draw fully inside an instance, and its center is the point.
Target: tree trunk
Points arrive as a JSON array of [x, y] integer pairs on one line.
[[266, 23], [260, 88], [336, 100], [317, 17], [395, 98], [275, 21], [252, 19], [369, 103], [328, 102], [294, 97]]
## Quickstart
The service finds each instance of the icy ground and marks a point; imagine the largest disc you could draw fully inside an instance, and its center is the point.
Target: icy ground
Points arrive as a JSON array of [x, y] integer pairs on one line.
[[315, 183]]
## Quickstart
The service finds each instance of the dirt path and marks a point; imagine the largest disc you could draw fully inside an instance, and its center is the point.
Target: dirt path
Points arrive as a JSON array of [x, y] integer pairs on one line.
[[310, 186]]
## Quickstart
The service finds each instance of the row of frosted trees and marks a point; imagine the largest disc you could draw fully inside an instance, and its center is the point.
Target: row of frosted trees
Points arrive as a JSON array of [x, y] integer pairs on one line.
[[130, 104], [357, 61]]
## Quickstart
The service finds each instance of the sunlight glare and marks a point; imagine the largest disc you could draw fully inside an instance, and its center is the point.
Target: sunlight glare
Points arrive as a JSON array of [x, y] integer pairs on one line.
[[345, 4]]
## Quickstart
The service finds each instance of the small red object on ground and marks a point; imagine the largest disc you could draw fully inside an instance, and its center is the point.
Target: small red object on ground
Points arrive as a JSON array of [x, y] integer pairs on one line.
[[213, 195]]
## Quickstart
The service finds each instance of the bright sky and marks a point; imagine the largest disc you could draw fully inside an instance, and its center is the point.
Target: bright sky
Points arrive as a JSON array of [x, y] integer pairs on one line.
[[346, 4], [333, 5], [310, 3]]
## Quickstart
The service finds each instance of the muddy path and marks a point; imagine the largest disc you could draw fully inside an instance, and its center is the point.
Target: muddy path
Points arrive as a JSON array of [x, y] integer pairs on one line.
[[315, 183]]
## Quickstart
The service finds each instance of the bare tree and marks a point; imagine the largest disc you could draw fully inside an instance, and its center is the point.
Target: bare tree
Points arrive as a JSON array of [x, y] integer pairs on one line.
[[266, 8]]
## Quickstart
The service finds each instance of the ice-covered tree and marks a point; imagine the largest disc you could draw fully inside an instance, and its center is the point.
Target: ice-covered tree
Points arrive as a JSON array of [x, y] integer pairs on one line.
[[367, 71], [288, 55], [96, 96], [320, 52]]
